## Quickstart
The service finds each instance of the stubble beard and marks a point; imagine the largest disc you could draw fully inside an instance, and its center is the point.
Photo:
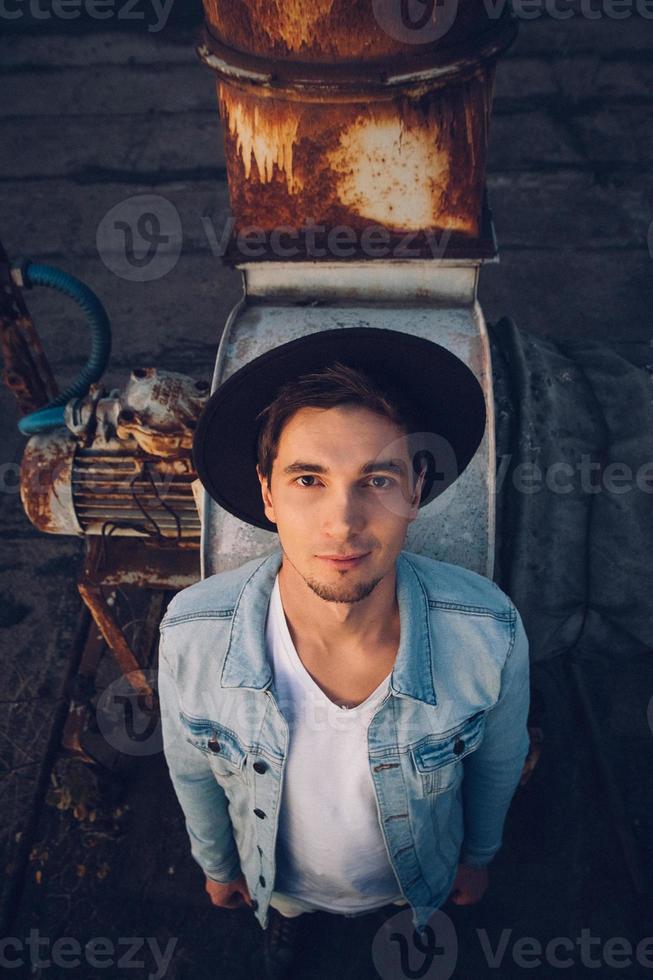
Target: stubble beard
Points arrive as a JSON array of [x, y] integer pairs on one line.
[[348, 594], [331, 593]]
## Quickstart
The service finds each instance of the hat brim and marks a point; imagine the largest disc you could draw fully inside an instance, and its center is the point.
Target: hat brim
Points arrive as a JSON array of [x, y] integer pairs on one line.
[[447, 396]]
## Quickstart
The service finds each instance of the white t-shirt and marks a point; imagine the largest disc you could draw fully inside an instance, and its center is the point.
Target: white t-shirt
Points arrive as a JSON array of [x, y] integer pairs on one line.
[[330, 850]]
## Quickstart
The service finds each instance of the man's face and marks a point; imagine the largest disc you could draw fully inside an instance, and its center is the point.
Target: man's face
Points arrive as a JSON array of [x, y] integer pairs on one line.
[[342, 495]]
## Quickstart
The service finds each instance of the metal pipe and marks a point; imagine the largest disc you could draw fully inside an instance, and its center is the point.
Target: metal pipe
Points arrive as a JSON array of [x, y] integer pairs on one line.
[[331, 122]]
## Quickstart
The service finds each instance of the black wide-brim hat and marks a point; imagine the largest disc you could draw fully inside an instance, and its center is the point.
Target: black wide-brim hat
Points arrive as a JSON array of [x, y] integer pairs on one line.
[[447, 398]]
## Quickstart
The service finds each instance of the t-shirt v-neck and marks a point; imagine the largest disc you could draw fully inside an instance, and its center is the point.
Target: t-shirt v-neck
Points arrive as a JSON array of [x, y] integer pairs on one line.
[[302, 673], [330, 849]]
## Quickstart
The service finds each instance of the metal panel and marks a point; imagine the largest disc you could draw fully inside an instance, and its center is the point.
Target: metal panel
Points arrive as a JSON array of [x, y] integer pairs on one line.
[[409, 282]]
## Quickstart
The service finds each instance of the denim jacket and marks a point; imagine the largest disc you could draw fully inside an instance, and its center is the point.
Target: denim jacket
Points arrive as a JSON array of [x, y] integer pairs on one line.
[[446, 745]]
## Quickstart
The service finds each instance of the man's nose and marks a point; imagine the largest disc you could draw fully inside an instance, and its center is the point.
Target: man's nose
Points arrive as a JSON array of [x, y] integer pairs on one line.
[[344, 512]]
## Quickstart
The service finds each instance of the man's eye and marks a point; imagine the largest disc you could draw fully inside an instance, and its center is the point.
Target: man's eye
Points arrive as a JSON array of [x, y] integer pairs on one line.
[[307, 477], [381, 482]]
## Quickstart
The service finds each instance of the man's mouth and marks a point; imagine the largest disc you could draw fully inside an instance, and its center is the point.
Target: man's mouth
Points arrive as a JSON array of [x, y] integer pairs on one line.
[[345, 561]]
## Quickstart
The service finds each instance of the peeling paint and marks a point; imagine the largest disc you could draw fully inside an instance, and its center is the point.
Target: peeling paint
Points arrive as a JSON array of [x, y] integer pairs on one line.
[[262, 137], [406, 164]]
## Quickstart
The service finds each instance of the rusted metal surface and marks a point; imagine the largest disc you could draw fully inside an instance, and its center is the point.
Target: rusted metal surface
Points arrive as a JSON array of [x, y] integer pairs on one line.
[[402, 165], [26, 371], [46, 477], [423, 68], [159, 410], [410, 249], [397, 144], [156, 411], [122, 564], [142, 564], [100, 610], [80, 710], [337, 31], [69, 490], [123, 462], [119, 493]]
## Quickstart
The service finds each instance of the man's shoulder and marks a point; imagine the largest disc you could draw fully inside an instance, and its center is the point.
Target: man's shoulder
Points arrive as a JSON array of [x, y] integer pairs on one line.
[[449, 585], [214, 596]]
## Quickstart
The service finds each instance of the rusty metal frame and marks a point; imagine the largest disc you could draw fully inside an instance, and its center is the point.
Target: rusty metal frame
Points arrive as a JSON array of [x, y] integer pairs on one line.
[[438, 66], [26, 371], [125, 562]]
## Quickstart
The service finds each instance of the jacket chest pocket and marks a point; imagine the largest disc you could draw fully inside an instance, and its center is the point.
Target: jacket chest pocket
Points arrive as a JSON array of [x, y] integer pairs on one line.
[[221, 746], [438, 758]]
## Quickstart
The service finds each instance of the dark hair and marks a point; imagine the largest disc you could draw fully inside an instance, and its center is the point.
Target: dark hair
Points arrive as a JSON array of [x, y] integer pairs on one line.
[[330, 387]]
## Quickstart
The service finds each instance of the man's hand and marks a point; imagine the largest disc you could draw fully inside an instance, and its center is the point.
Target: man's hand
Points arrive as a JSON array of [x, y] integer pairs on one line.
[[230, 894], [469, 886]]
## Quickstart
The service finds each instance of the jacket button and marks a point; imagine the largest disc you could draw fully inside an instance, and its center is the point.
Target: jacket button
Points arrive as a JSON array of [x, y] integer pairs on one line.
[[213, 744], [259, 766], [253, 905], [459, 746], [259, 813], [261, 881]]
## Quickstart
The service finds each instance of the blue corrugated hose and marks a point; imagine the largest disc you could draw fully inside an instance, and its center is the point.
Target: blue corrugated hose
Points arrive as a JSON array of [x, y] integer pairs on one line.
[[51, 416]]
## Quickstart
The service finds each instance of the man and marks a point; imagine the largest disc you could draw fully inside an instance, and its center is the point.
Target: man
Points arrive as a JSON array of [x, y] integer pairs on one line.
[[344, 722]]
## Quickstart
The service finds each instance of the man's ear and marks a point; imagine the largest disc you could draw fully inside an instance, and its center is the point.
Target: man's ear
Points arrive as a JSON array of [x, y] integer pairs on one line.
[[266, 495]]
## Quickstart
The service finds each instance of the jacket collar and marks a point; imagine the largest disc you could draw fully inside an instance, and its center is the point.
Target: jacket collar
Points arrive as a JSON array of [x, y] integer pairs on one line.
[[246, 663]]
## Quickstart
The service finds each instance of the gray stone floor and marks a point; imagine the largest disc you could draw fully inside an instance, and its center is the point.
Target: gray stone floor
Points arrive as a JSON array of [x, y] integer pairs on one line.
[[93, 117]]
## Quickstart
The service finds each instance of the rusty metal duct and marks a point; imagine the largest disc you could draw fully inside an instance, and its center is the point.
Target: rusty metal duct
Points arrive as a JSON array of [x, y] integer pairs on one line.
[[338, 114], [356, 146]]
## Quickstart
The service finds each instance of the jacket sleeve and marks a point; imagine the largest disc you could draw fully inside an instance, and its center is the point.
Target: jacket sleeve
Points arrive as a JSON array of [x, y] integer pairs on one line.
[[492, 772], [200, 796]]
